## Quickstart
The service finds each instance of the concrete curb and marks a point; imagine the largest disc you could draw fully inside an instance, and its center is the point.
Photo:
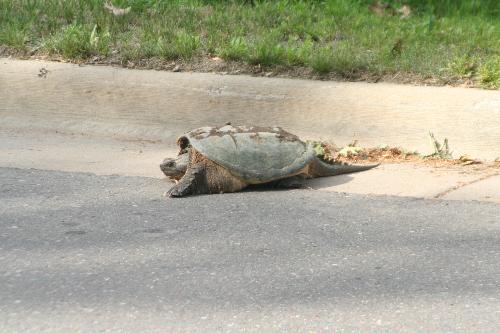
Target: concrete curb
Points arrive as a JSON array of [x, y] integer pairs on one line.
[[104, 156], [151, 105], [116, 121]]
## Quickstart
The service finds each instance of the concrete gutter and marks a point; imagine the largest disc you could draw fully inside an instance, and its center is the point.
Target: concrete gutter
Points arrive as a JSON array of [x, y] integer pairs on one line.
[[118, 121], [152, 105]]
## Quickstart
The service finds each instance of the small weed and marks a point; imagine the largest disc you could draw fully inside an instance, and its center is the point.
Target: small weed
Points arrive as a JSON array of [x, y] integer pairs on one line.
[[318, 147], [267, 53], [463, 66], [440, 150], [321, 61], [16, 38], [72, 42], [236, 49], [297, 55], [77, 41], [186, 45], [100, 41], [350, 150], [489, 73], [341, 59]]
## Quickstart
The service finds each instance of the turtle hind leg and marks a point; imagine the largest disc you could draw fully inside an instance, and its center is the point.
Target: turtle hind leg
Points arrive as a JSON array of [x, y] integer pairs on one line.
[[220, 180], [294, 182], [193, 182]]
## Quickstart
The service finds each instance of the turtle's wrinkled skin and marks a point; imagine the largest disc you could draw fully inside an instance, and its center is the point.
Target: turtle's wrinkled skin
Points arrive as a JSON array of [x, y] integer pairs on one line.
[[230, 158]]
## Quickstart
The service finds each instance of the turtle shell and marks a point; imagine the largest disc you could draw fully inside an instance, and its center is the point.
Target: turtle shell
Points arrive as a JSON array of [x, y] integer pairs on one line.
[[253, 154]]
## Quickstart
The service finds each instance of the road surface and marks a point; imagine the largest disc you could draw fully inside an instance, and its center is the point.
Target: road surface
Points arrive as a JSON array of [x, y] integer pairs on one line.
[[87, 253]]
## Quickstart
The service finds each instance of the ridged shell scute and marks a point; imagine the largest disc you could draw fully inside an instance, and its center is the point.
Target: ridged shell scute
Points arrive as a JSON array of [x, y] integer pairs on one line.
[[253, 154]]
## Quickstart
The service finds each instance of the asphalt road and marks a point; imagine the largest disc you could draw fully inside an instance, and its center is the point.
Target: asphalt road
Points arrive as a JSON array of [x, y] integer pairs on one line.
[[80, 252]]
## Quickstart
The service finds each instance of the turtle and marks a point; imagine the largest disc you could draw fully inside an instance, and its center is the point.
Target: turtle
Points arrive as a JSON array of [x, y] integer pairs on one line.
[[230, 158]]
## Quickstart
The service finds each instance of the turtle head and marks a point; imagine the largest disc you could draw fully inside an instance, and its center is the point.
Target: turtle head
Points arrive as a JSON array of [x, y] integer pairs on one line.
[[175, 168]]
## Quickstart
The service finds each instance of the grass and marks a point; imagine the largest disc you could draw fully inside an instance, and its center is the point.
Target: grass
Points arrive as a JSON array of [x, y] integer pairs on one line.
[[442, 40], [489, 73]]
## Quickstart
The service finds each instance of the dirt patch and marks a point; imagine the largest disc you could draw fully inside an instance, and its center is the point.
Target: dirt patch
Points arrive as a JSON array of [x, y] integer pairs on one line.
[[393, 155], [225, 67]]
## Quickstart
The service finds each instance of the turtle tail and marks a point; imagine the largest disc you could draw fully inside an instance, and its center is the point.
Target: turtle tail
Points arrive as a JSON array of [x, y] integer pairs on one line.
[[321, 169]]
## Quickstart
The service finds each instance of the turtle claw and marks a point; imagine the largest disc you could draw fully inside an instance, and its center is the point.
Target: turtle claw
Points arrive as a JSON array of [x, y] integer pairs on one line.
[[191, 183], [173, 192], [179, 191]]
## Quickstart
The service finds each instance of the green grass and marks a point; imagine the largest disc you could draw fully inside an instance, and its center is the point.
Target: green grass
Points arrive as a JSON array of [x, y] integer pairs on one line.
[[489, 73], [447, 40]]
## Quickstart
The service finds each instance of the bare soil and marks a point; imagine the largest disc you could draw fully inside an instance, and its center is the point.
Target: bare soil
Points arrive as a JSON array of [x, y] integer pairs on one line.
[[393, 155], [225, 67]]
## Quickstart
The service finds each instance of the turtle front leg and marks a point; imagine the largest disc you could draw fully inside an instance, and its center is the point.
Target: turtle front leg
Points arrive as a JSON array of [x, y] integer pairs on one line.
[[193, 182]]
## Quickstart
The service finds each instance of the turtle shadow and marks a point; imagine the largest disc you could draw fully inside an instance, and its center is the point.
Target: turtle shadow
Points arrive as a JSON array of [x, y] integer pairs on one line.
[[326, 182], [315, 184]]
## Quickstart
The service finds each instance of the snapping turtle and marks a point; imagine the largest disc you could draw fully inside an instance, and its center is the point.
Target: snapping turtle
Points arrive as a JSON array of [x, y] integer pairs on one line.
[[229, 158]]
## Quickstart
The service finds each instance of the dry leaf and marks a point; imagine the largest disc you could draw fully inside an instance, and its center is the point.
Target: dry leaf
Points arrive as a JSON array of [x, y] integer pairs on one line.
[[405, 11], [116, 10], [466, 160]]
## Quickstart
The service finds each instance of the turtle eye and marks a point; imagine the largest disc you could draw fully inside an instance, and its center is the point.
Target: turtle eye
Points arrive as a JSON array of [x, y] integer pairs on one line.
[[183, 142]]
